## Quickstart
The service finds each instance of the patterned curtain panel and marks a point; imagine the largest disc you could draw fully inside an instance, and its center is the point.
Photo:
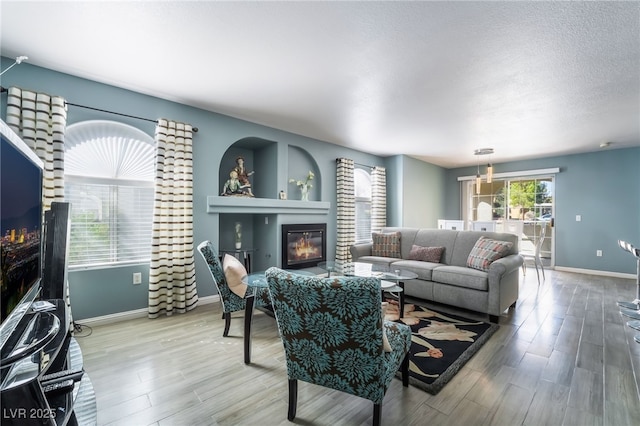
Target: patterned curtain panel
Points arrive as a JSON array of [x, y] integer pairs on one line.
[[40, 120], [172, 283], [346, 211], [378, 198]]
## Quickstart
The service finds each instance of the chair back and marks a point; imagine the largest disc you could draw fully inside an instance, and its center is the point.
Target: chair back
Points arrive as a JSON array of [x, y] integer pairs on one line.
[[541, 237], [331, 329], [230, 301]]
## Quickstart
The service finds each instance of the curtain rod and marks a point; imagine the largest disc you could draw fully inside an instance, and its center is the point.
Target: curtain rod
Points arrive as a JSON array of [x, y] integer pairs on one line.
[[194, 129], [363, 165], [360, 164]]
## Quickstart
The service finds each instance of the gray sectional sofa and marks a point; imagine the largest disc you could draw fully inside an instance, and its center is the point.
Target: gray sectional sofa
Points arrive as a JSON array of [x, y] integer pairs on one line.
[[451, 281]]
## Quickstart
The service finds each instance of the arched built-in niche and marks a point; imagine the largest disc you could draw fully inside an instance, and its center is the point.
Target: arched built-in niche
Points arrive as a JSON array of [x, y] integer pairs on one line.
[[261, 157], [300, 163]]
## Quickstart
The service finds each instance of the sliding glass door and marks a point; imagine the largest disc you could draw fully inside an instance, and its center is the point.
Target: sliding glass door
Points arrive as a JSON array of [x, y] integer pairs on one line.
[[523, 205]]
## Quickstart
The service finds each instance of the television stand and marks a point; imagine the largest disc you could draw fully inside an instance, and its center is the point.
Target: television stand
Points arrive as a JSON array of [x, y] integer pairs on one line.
[[43, 382]]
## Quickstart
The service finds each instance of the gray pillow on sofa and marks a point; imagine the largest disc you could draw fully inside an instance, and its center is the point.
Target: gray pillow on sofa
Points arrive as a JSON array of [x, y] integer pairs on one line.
[[425, 254], [386, 244], [486, 251]]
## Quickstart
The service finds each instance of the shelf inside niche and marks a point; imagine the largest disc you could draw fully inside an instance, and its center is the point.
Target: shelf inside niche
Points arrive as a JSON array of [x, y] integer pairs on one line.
[[247, 205]]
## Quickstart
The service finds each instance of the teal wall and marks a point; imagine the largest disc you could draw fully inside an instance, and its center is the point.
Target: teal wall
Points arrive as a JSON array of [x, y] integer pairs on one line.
[[98, 292], [602, 187], [416, 197], [423, 189]]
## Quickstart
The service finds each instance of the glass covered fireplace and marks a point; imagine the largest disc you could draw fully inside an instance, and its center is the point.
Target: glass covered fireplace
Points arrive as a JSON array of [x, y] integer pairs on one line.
[[303, 245]]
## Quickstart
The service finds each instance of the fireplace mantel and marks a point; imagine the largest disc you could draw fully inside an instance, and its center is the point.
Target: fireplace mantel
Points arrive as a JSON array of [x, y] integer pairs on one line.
[[218, 204]]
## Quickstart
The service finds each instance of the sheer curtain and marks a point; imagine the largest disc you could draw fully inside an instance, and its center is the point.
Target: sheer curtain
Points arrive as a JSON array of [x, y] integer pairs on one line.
[[40, 120], [345, 210], [378, 198], [172, 284]]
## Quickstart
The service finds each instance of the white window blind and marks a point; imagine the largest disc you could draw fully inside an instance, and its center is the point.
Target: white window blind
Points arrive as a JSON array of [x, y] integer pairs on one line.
[[109, 173], [109, 223]]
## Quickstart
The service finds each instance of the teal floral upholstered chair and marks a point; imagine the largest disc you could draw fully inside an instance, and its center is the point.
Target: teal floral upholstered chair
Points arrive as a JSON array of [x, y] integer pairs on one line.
[[231, 302], [332, 332]]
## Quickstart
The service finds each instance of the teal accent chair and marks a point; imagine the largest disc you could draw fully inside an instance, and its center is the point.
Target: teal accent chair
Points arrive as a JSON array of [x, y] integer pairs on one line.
[[231, 302], [331, 329]]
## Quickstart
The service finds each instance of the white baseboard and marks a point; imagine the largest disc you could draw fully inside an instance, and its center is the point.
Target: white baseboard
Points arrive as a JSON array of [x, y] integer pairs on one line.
[[138, 313], [595, 272]]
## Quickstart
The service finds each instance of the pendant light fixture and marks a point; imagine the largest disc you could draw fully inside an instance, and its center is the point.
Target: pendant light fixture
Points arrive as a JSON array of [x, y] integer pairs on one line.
[[478, 153]]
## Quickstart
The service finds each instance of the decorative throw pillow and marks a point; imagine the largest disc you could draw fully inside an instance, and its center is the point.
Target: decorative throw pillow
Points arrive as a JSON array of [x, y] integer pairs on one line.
[[234, 272], [386, 346], [425, 254], [386, 244], [485, 251]]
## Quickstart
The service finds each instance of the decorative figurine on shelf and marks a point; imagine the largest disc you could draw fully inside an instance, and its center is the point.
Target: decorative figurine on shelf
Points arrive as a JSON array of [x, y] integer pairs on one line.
[[304, 186], [243, 175], [232, 185]]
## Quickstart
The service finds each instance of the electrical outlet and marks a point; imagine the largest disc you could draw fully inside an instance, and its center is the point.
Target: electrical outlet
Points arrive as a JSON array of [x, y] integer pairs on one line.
[[578, 218], [599, 253], [137, 277]]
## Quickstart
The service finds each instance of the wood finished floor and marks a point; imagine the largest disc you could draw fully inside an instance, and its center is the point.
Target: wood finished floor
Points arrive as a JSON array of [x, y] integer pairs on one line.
[[563, 357]]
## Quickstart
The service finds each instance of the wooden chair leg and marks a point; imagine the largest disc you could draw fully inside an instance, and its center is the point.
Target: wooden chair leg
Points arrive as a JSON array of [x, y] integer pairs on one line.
[[404, 369], [377, 414], [293, 399], [227, 323]]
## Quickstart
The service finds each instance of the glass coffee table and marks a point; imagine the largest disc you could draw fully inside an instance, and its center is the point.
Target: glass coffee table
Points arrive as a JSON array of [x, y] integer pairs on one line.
[[391, 279]]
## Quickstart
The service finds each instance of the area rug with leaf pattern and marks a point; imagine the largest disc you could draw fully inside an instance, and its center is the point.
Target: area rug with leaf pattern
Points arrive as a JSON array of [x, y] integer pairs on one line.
[[440, 343]]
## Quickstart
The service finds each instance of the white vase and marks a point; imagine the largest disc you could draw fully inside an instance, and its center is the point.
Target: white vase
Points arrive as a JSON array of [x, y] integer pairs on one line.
[[304, 190], [238, 235]]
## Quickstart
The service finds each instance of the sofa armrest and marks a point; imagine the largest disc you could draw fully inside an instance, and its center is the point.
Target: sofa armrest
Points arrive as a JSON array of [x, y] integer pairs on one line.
[[503, 283], [359, 250], [506, 264]]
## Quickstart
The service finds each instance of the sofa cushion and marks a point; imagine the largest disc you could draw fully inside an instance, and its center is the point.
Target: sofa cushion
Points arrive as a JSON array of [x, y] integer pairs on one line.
[[485, 251], [426, 254], [386, 244], [423, 269], [377, 260], [461, 276]]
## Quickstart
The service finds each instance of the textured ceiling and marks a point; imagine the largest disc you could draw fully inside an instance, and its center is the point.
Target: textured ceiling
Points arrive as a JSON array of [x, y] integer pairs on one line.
[[433, 80]]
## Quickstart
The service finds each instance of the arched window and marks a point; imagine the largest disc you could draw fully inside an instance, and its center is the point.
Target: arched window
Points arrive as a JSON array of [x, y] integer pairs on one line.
[[109, 174], [362, 192]]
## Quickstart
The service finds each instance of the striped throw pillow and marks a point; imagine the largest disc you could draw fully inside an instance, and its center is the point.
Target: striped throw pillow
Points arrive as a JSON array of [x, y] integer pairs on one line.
[[386, 244], [486, 251]]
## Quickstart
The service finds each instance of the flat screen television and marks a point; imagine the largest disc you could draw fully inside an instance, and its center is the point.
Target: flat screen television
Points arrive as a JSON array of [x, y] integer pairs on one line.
[[57, 233], [21, 221]]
